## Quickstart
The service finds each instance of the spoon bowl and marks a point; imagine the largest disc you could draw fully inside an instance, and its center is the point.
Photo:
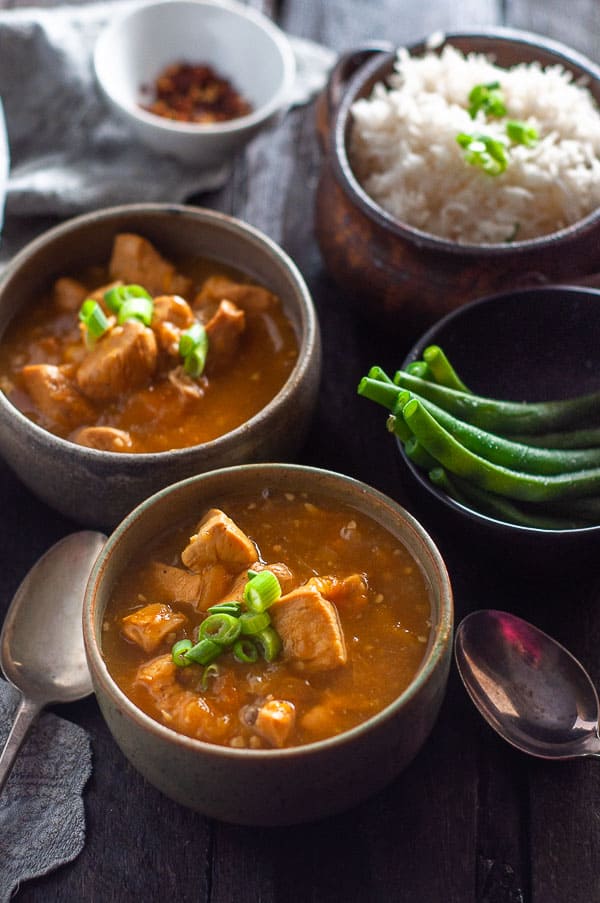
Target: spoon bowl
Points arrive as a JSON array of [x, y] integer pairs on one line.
[[527, 686], [41, 644]]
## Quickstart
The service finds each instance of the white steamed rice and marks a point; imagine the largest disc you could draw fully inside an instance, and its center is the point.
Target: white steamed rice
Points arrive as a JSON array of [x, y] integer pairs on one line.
[[405, 154]]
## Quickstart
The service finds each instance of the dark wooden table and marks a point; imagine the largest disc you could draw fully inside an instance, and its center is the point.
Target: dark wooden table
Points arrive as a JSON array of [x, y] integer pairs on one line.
[[471, 819]]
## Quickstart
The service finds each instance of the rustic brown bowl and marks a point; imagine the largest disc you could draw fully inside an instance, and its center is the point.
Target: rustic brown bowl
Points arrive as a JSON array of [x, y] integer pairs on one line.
[[272, 786], [394, 272], [98, 488]]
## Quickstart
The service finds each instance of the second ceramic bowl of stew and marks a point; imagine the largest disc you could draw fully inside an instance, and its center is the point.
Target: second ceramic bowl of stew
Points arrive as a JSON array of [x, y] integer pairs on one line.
[[290, 706], [93, 427]]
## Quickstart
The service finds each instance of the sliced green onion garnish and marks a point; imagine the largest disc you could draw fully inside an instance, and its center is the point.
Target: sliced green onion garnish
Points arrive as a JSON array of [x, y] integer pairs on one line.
[[114, 297], [204, 652], [226, 608], [261, 591], [245, 651], [254, 621], [190, 338], [136, 309], [269, 643], [487, 153], [487, 98], [93, 318], [521, 133], [220, 628], [193, 347], [178, 653], [209, 673]]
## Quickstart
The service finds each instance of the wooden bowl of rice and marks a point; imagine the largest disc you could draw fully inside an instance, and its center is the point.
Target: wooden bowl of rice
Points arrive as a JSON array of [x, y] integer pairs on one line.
[[407, 225]]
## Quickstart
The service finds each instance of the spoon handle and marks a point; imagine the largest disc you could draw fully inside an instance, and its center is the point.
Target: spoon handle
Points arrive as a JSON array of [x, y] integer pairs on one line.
[[27, 712]]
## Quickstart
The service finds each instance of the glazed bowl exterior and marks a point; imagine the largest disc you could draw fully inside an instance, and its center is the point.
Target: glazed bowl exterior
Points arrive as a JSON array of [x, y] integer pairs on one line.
[[397, 274], [98, 488], [271, 786], [531, 344], [240, 43]]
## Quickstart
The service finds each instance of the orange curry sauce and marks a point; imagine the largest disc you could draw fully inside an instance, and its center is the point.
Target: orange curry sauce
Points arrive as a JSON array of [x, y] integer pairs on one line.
[[385, 629]]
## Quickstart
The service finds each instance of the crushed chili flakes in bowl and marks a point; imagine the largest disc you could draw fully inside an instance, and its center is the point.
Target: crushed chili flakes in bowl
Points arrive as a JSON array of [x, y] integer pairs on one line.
[[190, 92]]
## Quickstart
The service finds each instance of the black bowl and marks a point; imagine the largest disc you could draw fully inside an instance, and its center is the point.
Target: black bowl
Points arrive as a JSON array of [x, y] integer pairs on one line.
[[527, 345]]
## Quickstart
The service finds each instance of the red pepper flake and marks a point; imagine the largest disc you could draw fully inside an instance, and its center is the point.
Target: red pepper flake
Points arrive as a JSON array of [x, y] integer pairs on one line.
[[189, 92]]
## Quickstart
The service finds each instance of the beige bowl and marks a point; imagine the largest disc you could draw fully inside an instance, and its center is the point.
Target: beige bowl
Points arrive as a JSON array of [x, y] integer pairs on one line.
[[97, 488], [271, 787]]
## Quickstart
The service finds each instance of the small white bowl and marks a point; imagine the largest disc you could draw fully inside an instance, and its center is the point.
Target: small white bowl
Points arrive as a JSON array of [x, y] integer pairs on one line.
[[241, 44]]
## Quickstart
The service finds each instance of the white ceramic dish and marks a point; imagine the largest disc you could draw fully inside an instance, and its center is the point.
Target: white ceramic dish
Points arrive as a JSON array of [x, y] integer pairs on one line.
[[240, 43]]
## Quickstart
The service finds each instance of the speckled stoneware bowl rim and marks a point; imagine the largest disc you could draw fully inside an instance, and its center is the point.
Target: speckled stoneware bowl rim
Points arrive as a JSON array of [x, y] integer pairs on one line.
[[308, 340], [477, 517], [440, 636], [276, 102], [381, 65]]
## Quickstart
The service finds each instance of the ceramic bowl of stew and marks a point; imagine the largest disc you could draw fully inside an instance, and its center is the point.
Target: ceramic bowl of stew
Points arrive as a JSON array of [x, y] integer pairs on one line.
[[95, 424], [530, 345], [195, 80], [401, 274], [333, 705]]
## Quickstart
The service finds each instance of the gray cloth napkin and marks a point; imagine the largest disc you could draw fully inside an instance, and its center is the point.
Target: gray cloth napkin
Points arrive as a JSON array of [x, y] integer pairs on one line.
[[42, 821], [69, 152]]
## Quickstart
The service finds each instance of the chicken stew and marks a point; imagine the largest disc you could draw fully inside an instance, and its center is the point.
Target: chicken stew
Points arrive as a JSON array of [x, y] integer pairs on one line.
[[279, 622], [146, 356]]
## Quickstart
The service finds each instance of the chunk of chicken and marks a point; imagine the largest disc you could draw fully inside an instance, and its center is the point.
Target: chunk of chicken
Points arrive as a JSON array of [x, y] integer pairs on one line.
[[68, 294], [151, 625], [224, 330], [185, 384], [125, 358], [181, 709], [310, 630], [170, 584], [249, 297], [275, 721], [347, 593], [218, 540], [170, 317], [200, 590], [134, 259], [104, 438], [56, 396]]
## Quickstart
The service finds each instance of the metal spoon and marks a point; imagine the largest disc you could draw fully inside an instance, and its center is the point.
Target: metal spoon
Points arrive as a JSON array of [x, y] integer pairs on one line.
[[531, 690], [41, 644]]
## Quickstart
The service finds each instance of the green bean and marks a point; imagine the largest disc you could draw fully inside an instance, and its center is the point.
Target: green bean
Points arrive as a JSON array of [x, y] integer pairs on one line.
[[379, 374], [452, 455], [507, 453], [587, 507], [416, 453], [420, 369], [496, 506], [576, 439], [506, 417], [384, 393], [399, 427], [441, 369]]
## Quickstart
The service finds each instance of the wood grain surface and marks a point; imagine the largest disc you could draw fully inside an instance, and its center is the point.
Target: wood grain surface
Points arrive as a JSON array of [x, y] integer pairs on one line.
[[471, 820]]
